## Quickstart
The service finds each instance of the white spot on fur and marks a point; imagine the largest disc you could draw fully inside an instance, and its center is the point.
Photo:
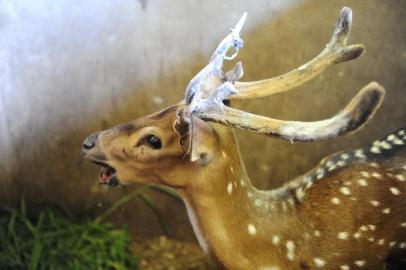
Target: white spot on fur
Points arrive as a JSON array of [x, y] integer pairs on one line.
[[335, 200], [372, 227], [400, 177], [376, 175], [344, 267], [375, 149], [394, 191], [345, 191], [398, 142], [224, 154], [362, 182], [363, 228], [251, 229], [403, 224], [392, 244], [381, 241], [375, 203], [386, 145], [345, 156], [391, 137], [276, 240], [329, 163], [365, 174], [319, 262], [343, 235], [371, 239], [357, 235], [230, 188], [340, 163], [374, 164], [360, 263], [347, 183], [332, 167], [320, 173], [290, 246], [300, 193], [359, 153], [317, 233], [386, 211], [308, 182], [402, 245]]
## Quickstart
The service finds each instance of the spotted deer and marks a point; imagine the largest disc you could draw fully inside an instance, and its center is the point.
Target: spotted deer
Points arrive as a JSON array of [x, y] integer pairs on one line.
[[346, 213]]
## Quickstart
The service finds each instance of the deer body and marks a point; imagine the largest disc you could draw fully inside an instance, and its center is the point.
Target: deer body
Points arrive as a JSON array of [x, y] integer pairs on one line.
[[347, 213], [340, 215]]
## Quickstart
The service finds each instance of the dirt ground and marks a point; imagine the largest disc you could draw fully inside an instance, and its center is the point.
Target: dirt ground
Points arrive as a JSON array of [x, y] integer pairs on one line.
[[162, 253]]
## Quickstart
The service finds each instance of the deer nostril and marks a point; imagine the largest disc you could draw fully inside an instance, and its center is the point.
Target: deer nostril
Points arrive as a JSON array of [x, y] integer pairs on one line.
[[87, 145], [90, 142]]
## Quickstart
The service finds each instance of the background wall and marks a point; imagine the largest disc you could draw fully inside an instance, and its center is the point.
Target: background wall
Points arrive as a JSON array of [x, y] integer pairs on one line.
[[68, 68]]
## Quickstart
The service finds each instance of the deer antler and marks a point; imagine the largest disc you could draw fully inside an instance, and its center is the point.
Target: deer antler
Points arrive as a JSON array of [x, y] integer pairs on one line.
[[206, 93], [336, 51], [361, 108]]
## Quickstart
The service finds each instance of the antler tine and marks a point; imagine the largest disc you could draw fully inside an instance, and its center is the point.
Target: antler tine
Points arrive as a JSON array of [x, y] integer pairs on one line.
[[356, 114], [214, 68], [336, 51]]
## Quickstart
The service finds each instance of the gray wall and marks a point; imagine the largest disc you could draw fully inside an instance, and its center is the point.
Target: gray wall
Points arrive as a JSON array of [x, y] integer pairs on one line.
[[68, 68]]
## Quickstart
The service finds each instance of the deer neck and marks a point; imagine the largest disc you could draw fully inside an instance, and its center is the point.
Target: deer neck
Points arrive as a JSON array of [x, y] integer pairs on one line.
[[230, 217]]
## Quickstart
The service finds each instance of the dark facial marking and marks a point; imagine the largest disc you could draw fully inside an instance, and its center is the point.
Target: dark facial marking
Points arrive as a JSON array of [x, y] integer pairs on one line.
[[127, 128]]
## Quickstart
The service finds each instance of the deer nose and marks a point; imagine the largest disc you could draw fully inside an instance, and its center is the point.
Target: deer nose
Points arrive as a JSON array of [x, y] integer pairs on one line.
[[89, 142]]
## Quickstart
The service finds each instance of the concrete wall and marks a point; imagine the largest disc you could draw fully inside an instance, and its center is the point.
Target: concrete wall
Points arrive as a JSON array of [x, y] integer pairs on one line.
[[70, 68]]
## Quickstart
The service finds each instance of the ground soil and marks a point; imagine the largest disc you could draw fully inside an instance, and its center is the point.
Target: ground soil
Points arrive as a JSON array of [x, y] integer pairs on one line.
[[165, 254]]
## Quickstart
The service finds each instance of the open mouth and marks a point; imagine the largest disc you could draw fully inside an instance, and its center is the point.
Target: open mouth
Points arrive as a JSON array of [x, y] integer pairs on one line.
[[107, 175]]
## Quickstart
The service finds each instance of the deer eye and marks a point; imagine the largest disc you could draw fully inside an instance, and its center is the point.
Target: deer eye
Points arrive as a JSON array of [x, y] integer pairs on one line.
[[153, 141]]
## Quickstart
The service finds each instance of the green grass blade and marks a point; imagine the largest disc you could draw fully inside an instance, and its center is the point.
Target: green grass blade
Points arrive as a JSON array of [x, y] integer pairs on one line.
[[136, 193]]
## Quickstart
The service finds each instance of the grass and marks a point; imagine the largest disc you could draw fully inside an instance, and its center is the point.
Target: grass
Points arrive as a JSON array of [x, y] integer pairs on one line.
[[52, 241], [142, 193]]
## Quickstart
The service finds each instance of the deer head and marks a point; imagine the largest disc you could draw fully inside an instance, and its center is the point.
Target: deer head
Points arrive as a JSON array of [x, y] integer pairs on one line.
[[182, 141]]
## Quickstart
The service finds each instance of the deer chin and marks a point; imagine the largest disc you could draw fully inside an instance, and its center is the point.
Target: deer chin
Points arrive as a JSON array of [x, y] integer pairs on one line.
[[107, 175]]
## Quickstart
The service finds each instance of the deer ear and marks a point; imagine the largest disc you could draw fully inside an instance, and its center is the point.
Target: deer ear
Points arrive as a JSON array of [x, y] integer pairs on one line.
[[203, 141], [198, 137]]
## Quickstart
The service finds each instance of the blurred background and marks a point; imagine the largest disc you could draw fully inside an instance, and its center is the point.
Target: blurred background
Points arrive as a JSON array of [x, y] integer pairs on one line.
[[69, 68]]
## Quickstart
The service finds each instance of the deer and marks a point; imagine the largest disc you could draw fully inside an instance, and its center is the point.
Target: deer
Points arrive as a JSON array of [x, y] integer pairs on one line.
[[349, 212]]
